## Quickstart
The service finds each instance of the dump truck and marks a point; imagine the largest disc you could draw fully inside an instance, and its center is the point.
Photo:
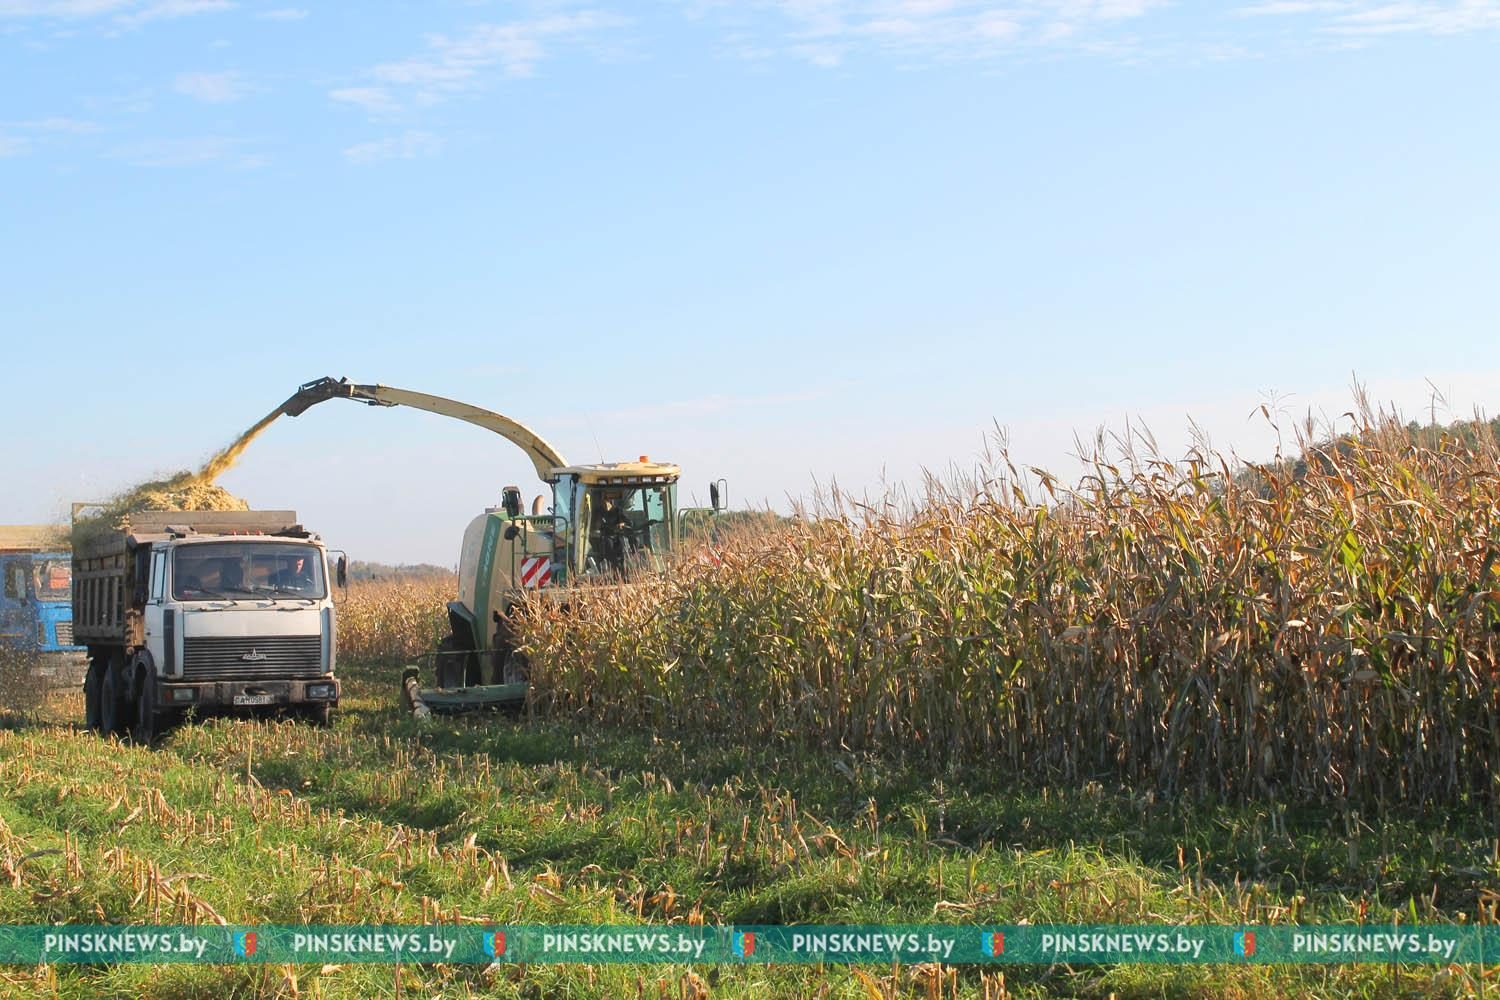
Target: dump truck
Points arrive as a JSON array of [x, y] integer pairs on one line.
[[36, 610], [203, 612], [604, 522]]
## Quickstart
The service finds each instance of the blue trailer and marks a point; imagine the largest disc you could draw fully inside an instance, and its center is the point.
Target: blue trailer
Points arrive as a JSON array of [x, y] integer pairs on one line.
[[36, 603]]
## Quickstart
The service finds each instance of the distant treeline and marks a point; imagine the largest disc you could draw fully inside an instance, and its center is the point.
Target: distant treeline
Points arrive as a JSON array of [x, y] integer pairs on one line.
[[361, 570], [1467, 435]]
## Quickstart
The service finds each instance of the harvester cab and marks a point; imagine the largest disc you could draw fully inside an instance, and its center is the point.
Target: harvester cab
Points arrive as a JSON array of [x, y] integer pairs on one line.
[[605, 522]]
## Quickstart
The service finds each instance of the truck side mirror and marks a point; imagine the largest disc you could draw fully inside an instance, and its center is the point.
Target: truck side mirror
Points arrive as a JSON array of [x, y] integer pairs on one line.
[[341, 572], [713, 495], [511, 501]]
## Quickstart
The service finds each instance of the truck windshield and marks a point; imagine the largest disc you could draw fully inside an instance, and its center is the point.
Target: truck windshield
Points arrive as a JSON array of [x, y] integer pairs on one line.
[[247, 569], [53, 579]]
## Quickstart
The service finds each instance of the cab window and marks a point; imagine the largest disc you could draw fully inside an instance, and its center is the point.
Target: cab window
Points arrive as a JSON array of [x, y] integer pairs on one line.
[[625, 525], [53, 579], [15, 580]]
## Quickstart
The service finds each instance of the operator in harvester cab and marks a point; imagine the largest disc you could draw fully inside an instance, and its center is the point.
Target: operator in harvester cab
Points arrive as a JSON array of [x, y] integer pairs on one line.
[[614, 529], [295, 574]]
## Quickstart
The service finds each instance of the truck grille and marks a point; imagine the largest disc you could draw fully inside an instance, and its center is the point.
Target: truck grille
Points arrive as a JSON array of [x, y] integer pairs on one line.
[[286, 656], [64, 631]]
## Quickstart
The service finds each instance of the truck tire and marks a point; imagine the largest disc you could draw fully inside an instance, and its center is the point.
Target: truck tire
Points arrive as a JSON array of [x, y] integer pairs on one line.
[[93, 689], [320, 716], [150, 722], [111, 704]]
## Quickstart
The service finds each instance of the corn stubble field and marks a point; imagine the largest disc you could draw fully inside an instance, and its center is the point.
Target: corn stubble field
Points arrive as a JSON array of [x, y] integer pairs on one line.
[[1172, 695]]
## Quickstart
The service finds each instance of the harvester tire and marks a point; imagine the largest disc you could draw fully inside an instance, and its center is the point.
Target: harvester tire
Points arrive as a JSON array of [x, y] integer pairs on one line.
[[449, 669], [513, 669]]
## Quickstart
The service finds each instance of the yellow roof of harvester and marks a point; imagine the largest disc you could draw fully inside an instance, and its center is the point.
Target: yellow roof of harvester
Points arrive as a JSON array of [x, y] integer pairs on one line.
[[625, 473]]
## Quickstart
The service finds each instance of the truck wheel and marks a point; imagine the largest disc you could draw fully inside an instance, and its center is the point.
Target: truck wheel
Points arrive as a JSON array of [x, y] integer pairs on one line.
[[111, 722], [149, 722], [318, 715], [93, 685]]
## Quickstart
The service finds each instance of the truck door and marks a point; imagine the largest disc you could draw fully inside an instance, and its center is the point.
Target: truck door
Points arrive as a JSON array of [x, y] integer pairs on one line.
[[17, 617], [166, 660]]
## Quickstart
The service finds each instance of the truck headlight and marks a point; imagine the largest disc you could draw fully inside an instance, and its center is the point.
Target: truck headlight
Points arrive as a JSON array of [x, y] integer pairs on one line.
[[184, 694], [320, 690]]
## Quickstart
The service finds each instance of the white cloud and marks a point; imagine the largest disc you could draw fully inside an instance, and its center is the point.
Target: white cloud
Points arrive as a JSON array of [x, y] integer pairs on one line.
[[374, 100], [283, 14], [824, 32], [61, 8], [407, 146], [211, 88], [1376, 17], [193, 152], [1275, 7], [18, 138], [71, 126], [129, 13], [451, 65], [164, 10]]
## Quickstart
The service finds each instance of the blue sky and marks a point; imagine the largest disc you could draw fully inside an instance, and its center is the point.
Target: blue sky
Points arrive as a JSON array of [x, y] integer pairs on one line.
[[778, 242]]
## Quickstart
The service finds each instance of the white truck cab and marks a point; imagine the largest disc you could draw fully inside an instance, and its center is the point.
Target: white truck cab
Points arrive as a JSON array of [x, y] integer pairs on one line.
[[208, 611]]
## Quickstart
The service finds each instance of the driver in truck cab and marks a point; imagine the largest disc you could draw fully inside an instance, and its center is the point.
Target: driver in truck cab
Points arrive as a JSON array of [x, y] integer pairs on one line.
[[296, 574]]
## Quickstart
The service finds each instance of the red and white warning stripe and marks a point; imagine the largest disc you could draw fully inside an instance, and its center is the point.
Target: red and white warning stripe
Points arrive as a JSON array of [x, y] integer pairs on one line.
[[536, 572]]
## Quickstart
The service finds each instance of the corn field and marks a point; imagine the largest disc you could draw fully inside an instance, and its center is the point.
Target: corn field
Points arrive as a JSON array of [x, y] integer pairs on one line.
[[1324, 630], [393, 620]]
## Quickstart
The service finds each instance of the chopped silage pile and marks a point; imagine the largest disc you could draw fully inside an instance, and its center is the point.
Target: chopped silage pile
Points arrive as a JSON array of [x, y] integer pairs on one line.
[[184, 491], [181, 492]]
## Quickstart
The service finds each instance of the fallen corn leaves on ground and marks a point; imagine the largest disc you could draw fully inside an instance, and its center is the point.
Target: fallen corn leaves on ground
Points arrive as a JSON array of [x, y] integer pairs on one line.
[[505, 820]]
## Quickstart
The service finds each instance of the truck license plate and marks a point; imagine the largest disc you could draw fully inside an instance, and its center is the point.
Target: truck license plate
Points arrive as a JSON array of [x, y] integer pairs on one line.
[[255, 699]]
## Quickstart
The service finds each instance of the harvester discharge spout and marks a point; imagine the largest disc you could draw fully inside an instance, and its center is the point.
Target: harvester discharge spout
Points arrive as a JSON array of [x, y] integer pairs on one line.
[[316, 391]]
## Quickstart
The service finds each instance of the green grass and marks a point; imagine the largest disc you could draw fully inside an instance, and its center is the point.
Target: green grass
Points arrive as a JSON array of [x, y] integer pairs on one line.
[[501, 819]]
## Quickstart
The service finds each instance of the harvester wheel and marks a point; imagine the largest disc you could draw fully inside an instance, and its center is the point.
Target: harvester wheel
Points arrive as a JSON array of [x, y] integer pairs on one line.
[[512, 669], [450, 669]]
